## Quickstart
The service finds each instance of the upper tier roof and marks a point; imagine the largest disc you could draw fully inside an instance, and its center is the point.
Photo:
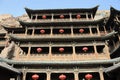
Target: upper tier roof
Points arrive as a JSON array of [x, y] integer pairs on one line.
[[72, 10], [67, 23], [113, 13]]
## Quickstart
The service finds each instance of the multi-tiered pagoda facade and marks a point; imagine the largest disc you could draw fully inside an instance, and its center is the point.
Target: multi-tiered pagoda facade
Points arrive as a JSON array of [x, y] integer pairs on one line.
[[62, 44]]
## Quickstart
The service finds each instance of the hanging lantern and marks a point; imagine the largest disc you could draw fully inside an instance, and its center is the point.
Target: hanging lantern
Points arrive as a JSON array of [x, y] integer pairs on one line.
[[78, 16], [44, 17], [61, 30], [81, 30], [61, 49], [85, 49], [61, 16], [62, 77], [42, 31], [88, 76], [35, 77], [39, 50]]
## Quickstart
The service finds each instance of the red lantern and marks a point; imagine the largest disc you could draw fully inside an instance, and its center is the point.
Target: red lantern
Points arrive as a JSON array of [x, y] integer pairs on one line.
[[61, 49], [85, 49], [78, 16], [61, 16], [39, 50], [35, 77], [61, 30], [62, 77], [88, 76], [81, 30], [42, 31], [44, 17]]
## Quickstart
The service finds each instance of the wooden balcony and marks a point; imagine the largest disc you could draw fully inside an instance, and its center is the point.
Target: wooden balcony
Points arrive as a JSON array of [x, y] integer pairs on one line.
[[64, 57]]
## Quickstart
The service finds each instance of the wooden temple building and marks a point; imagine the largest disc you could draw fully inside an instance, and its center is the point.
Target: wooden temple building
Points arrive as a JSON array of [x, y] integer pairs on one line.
[[62, 44]]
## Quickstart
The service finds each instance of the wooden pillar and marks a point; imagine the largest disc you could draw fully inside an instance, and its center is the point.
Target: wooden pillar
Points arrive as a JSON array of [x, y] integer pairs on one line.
[[50, 51], [48, 75], [74, 54], [72, 30], [101, 74], [28, 55], [90, 30], [70, 16], [24, 74], [26, 31], [105, 29], [33, 31], [36, 17], [98, 30], [52, 19], [31, 17], [51, 31], [107, 51], [95, 49], [87, 16], [76, 75], [91, 16]]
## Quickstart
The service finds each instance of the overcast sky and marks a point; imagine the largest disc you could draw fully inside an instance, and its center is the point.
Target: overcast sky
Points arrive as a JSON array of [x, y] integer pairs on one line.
[[16, 7]]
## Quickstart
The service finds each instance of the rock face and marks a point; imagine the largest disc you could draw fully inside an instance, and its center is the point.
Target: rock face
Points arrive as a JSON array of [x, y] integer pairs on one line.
[[10, 21]]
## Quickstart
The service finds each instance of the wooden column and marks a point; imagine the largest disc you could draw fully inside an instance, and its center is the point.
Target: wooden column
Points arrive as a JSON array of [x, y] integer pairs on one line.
[[48, 75], [76, 75], [90, 30], [26, 31], [51, 31], [31, 17], [105, 29], [95, 49], [33, 31], [24, 74], [50, 51], [101, 74], [98, 30], [52, 19], [36, 17], [87, 16], [107, 51], [70, 16], [72, 30], [28, 55], [91, 16], [74, 54]]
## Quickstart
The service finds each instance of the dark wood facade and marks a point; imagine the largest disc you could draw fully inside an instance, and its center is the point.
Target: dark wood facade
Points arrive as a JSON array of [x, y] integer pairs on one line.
[[64, 41]]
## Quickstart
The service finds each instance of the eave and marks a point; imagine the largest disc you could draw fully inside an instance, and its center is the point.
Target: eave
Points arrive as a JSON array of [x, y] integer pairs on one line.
[[53, 11], [113, 13], [62, 23], [59, 38], [13, 28], [9, 68]]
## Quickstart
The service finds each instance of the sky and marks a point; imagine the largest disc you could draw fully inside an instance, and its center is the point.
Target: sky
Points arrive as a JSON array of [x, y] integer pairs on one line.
[[16, 7]]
